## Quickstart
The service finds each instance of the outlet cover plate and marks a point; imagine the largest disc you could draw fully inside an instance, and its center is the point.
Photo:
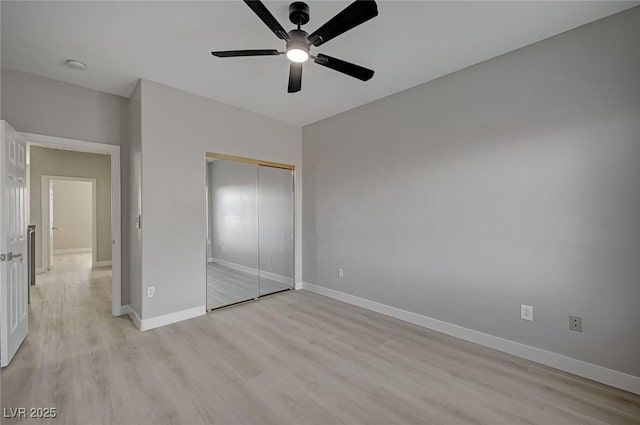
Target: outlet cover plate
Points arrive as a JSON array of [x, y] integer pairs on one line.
[[151, 291], [575, 323], [526, 312]]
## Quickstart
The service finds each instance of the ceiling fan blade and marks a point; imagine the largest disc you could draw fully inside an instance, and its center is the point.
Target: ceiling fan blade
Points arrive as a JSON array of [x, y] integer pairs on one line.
[[263, 13], [295, 77], [353, 15], [353, 70], [238, 53]]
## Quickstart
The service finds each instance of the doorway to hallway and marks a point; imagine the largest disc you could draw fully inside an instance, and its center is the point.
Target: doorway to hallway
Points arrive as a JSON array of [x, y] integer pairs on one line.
[[69, 218], [55, 166]]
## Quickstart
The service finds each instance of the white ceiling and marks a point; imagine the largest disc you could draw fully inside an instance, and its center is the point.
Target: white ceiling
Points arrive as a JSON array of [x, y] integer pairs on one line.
[[409, 43]]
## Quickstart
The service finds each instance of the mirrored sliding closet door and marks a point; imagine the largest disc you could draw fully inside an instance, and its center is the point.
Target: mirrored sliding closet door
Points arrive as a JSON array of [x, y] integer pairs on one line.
[[250, 230], [275, 229]]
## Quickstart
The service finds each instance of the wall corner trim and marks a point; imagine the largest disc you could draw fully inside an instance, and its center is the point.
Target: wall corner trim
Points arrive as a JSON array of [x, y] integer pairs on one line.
[[167, 319], [581, 368]]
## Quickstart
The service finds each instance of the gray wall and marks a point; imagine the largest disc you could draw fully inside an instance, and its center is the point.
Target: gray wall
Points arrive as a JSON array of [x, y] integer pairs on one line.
[[512, 181], [56, 162], [35, 104], [132, 250], [45, 106], [177, 129]]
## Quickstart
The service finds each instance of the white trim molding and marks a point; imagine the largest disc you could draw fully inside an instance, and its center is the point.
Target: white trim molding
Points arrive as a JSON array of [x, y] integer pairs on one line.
[[105, 263], [577, 367], [165, 319], [116, 209]]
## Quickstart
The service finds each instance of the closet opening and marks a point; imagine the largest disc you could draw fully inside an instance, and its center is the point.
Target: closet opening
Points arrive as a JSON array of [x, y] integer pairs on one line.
[[250, 240]]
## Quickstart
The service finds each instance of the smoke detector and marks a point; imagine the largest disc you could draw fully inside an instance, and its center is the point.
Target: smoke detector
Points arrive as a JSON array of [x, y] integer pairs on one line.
[[76, 64]]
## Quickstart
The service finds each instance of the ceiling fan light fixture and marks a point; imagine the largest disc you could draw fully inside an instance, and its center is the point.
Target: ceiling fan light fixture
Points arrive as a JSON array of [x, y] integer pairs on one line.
[[297, 55]]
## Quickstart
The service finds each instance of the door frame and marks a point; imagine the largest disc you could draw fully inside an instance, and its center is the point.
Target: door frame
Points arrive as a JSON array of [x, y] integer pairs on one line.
[[116, 208], [45, 213]]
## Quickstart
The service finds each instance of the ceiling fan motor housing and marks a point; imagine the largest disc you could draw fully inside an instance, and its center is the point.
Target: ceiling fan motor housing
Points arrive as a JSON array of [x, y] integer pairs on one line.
[[298, 40], [299, 13]]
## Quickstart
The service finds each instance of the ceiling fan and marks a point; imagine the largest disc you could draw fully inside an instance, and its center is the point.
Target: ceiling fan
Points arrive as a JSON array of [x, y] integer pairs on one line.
[[299, 41]]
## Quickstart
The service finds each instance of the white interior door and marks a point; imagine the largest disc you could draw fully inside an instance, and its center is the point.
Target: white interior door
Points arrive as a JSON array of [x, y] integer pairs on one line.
[[13, 243], [51, 225]]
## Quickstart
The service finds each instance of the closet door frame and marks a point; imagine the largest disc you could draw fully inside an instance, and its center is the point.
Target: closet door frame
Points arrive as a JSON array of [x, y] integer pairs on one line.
[[257, 162], [251, 161]]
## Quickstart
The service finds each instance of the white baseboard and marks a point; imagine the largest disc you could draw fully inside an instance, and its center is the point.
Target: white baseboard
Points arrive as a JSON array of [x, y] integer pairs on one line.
[[126, 309], [167, 319], [106, 263], [577, 367], [252, 271], [71, 251]]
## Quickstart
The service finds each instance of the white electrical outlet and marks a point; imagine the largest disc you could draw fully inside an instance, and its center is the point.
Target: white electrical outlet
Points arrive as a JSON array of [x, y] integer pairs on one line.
[[526, 312], [340, 272], [151, 291]]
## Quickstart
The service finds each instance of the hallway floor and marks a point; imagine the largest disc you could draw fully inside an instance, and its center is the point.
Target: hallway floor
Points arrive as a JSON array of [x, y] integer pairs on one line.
[[73, 282]]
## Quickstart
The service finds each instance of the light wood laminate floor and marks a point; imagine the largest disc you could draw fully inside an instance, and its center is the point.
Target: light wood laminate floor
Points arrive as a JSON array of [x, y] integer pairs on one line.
[[293, 358], [228, 286]]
